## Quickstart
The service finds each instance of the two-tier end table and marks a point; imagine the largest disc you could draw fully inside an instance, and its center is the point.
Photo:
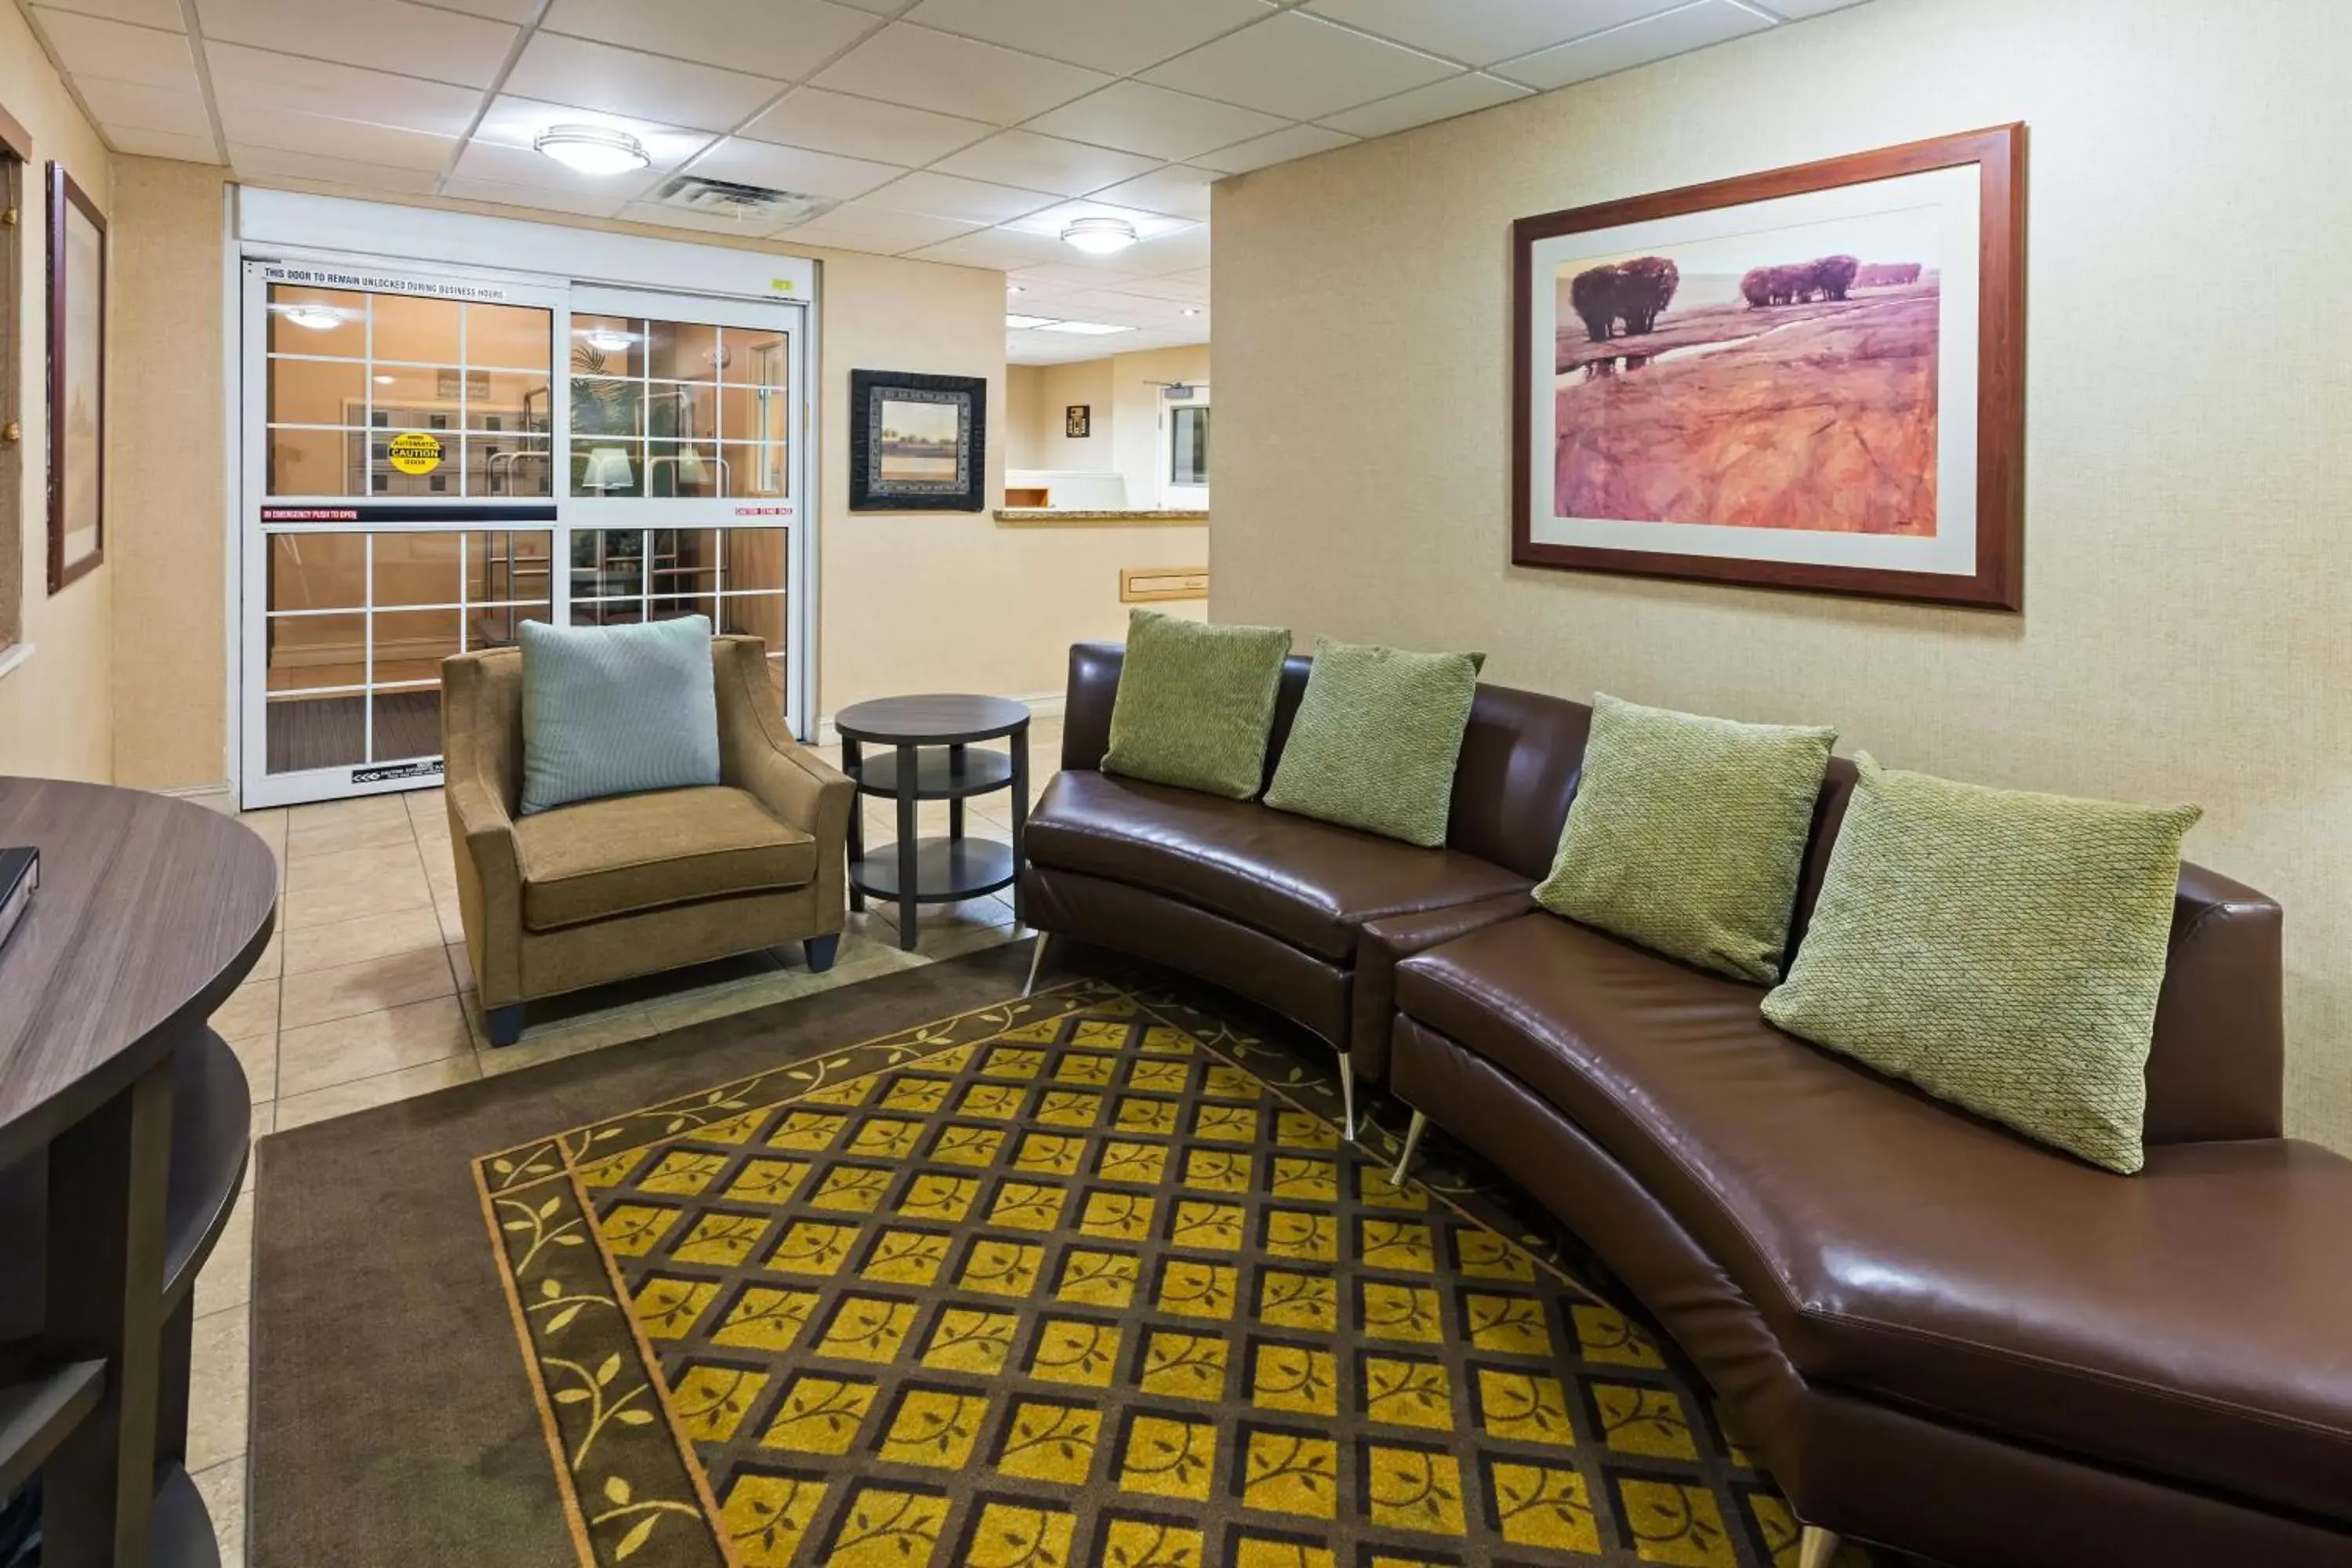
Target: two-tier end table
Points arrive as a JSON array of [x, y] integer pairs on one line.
[[124, 1128], [933, 757]]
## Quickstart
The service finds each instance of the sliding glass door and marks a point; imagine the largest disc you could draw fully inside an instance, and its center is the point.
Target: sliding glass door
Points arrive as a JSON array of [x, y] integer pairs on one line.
[[431, 459]]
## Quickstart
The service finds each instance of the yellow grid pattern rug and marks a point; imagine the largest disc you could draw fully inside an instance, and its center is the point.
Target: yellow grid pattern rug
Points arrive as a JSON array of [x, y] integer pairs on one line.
[[1071, 1281]]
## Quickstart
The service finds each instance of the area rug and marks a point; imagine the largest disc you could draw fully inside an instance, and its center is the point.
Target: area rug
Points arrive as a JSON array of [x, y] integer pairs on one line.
[[1086, 1279]]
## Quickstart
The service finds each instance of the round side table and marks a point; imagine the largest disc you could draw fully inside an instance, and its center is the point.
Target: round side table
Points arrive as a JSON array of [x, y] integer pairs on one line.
[[930, 758]]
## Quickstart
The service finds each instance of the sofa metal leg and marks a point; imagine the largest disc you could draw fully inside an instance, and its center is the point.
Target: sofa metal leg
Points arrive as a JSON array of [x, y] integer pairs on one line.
[[1036, 963], [1817, 1547], [505, 1024], [821, 951], [1348, 1092], [1404, 1155]]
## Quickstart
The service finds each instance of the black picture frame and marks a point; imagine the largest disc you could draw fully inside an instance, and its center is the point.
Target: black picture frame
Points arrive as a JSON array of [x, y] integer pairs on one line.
[[77, 336], [1079, 421], [873, 488]]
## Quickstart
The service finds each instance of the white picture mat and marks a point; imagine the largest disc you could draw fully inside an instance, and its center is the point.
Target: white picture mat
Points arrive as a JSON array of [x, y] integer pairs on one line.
[[1954, 195]]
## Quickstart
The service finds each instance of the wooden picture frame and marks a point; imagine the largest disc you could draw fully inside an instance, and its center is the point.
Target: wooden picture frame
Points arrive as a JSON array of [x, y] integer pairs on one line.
[[77, 346], [1913, 487], [918, 442]]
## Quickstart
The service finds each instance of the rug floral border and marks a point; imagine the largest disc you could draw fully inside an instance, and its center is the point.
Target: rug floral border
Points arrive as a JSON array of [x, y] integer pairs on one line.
[[623, 1460]]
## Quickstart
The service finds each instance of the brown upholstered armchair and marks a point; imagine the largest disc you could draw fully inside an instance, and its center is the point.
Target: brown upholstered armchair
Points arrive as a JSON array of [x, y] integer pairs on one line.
[[608, 889]]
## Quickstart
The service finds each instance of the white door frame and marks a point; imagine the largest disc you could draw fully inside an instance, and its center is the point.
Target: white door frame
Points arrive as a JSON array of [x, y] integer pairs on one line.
[[1176, 496], [521, 256]]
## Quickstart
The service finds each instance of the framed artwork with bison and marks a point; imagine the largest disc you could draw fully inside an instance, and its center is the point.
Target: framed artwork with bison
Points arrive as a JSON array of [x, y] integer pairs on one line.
[[1810, 378]]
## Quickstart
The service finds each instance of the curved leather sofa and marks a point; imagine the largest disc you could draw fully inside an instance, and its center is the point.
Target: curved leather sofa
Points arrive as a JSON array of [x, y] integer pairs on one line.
[[1939, 1336]]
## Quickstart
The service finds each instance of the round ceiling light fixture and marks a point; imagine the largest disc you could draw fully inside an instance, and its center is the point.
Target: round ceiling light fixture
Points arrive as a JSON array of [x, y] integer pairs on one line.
[[593, 149], [317, 318], [605, 341], [1099, 236]]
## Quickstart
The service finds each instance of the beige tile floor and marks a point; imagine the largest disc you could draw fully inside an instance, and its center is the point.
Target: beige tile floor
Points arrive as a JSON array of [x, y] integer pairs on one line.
[[364, 996]]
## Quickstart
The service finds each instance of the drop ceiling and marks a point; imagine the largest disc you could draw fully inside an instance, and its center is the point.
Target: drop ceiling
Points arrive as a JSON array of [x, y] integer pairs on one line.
[[957, 130]]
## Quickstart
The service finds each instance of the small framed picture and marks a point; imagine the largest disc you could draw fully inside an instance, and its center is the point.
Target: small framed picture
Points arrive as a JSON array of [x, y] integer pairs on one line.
[[77, 381], [1078, 420], [917, 443]]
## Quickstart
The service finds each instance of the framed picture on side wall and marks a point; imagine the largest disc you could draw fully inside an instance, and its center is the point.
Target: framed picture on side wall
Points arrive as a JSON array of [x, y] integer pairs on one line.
[[1809, 378], [917, 443], [77, 381], [1078, 420]]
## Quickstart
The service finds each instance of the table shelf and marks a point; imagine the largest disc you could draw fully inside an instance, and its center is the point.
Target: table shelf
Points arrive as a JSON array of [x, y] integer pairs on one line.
[[947, 870], [940, 773], [212, 1138], [36, 1414]]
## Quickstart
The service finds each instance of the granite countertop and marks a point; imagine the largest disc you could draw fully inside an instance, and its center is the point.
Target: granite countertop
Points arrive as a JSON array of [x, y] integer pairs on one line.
[[1050, 514]]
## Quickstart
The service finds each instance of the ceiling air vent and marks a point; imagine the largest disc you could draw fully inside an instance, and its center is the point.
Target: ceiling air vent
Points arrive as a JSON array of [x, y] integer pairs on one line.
[[746, 204]]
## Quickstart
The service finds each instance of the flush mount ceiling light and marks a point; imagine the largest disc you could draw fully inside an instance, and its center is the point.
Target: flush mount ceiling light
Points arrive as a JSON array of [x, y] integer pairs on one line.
[[1099, 236], [317, 318], [593, 149], [605, 341]]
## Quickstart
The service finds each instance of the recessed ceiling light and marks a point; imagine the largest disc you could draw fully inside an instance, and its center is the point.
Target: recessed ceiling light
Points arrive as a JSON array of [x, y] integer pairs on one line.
[[1017, 289], [1089, 328], [593, 149], [1019, 323], [317, 318], [605, 341], [1192, 309], [1099, 236]]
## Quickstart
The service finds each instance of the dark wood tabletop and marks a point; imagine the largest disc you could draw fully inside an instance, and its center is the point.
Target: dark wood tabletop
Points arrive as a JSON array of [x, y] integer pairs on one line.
[[934, 719], [150, 911]]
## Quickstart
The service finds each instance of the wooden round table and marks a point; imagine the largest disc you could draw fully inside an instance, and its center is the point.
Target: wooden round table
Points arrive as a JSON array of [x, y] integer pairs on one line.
[[930, 758], [125, 1124]]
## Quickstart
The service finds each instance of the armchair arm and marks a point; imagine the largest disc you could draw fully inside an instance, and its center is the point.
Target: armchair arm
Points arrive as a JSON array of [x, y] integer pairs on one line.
[[758, 754], [1384, 943], [481, 711]]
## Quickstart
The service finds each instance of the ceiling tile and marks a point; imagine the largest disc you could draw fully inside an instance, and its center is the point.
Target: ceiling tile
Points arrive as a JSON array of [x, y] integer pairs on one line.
[[162, 144], [162, 14], [792, 169], [1038, 162], [909, 65], [1480, 32], [576, 201], [1798, 10], [1140, 118], [135, 106], [863, 128], [262, 163], [996, 248], [1422, 106], [498, 165], [440, 45], [557, 70], [516, 11], [516, 123], [91, 45], [1170, 290], [1179, 252], [1300, 66], [861, 226], [1676, 32], [1174, 189], [343, 92], [944, 196], [1298, 142], [785, 38], [700, 223], [257, 125], [1121, 36]]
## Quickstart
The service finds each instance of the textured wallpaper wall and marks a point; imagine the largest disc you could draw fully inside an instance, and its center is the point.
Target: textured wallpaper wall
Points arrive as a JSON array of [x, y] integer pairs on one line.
[[2190, 391]]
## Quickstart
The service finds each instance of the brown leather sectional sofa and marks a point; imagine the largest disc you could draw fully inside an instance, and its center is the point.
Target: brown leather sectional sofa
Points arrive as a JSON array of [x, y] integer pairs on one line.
[[1940, 1337]]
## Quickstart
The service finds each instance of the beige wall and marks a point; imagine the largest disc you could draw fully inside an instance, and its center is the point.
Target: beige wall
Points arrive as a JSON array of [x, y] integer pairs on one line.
[[1123, 390], [53, 707], [2187, 633]]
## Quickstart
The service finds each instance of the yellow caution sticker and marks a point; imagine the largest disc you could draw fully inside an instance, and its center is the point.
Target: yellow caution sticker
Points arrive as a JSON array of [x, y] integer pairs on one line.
[[415, 452]]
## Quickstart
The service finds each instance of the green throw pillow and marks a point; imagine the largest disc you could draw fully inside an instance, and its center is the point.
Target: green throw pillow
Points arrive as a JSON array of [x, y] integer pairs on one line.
[[1999, 948], [1195, 703], [616, 709], [1376, 738], [1687, 833]]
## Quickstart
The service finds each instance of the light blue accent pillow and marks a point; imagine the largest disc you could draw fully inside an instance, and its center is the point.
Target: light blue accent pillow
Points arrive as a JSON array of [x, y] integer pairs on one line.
[[616, 710]]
